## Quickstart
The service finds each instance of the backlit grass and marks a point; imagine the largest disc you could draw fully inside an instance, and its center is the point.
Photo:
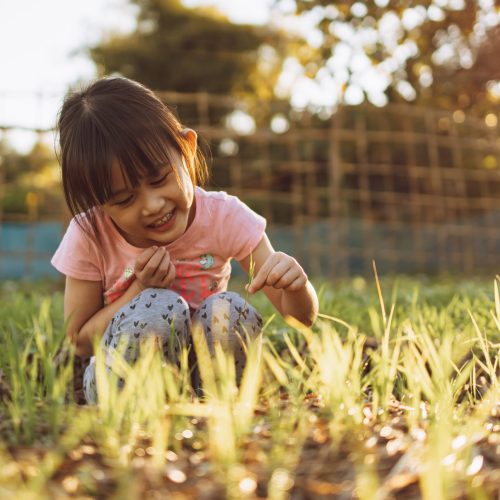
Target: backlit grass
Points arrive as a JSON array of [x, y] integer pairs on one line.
[[394, 391]]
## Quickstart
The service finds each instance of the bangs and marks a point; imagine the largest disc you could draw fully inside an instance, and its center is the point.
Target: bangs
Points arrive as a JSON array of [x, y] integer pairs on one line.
[[141, 158], [140, 150]]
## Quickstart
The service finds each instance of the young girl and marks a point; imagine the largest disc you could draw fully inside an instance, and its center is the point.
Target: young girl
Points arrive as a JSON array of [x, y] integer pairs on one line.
[[148, 251]]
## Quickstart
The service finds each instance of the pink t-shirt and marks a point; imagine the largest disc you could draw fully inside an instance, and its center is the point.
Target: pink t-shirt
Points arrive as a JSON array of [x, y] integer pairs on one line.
[[223, 228]]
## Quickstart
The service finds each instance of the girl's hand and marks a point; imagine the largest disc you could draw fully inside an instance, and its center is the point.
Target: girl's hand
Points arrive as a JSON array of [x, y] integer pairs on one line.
[[281, 272], [153, 268]]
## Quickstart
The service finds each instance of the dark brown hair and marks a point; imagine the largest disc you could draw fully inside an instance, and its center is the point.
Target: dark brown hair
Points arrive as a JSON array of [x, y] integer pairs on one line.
[[116, 119]]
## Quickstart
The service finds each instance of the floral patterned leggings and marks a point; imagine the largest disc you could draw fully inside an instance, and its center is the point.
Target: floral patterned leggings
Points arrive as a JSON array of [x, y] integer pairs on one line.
[[224, 317]]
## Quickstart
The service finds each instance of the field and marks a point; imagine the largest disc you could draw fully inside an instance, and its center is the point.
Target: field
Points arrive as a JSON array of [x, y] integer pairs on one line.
[[394, 393]]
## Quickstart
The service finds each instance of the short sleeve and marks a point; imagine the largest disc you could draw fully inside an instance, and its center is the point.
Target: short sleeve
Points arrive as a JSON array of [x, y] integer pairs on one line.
[[77, 255], [241, 229]]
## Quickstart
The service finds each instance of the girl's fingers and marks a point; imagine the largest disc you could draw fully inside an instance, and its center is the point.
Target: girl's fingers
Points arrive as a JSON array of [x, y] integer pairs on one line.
[[169, 277], [165, 271], [260, 278], [154, 262], [277, 273], [297, 283], [143, 259], [273, 270], [164, 264], [288, 278]]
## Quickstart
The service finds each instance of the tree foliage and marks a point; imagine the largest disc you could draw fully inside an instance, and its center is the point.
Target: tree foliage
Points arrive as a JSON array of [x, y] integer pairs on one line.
[[29, 182], [431, 51], [185, 50]]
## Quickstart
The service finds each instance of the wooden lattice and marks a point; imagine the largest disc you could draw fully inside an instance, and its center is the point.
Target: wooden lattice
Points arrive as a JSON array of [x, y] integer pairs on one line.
[[414, 189]]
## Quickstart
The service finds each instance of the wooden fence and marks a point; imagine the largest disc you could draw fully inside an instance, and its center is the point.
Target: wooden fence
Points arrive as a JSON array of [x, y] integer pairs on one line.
[[414, 189]]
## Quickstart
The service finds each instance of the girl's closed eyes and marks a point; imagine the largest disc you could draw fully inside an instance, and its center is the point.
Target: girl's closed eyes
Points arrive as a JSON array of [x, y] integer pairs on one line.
[[162, 176], [160, 181], [154, 182], [125, 202]]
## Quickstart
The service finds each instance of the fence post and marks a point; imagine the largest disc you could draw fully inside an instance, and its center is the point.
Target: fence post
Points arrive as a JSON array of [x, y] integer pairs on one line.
[[339, 251]]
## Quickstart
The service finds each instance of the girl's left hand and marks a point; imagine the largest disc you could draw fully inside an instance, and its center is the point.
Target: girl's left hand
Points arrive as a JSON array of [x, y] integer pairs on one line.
[[281, 271]]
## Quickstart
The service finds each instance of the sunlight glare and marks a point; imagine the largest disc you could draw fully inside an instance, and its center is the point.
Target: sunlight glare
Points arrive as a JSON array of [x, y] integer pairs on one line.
[[248, 485], [435, 13], [413, 17], [280, 124], [353, 95], [242, 123], [359, 9]]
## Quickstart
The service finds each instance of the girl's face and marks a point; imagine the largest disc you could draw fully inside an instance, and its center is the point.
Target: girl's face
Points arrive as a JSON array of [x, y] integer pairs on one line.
[[156, 212]]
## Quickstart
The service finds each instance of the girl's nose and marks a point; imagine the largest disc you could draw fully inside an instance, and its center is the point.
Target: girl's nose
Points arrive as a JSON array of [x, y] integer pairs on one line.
[[152, 203]]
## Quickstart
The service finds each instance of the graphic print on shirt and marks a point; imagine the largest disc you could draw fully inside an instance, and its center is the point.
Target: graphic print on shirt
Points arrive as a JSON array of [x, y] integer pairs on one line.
[[206, 260], [193, 285], [189, 282], [120, 286], [128, 272]]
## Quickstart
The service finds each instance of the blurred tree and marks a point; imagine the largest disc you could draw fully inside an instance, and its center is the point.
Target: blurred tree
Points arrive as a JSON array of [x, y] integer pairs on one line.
[[31, 176], [434, 51], [477, 87], [13, 164], [188, 50]]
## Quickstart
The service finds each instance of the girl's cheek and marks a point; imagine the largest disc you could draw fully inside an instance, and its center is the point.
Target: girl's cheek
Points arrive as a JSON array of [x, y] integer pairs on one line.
[[188, 190]]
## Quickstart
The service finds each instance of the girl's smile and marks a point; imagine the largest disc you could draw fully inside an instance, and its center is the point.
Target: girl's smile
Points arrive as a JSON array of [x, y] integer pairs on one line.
[[157, 211], [165, 222]]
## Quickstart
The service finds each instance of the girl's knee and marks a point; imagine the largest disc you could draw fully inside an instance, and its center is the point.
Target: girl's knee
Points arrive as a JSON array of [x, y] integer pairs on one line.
[[229, 318], [154, 312], [226, 300], [155, 308], [159, 298], [241, 312]]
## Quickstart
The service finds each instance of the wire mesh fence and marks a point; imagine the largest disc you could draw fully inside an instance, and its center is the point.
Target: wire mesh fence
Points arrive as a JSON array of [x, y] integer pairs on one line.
[[414, 189]]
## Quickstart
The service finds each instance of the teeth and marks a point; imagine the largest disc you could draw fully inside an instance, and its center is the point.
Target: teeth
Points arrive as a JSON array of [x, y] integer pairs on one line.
[[163, 220]]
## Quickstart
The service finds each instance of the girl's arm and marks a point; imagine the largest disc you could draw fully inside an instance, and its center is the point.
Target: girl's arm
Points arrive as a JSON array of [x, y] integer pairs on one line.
[[283, 281], [84, 312]]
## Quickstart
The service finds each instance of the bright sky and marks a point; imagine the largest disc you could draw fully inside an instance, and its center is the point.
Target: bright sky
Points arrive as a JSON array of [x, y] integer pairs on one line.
[[41, 49]]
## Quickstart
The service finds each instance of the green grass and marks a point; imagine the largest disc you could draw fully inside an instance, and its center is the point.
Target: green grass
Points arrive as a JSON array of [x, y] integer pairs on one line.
[[394, 391]]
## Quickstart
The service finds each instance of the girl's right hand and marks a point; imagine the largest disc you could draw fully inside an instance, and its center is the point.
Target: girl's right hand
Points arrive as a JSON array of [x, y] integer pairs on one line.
[[154, 269]]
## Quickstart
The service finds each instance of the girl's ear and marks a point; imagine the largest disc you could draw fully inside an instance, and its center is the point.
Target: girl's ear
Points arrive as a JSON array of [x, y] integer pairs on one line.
[[192, 138]]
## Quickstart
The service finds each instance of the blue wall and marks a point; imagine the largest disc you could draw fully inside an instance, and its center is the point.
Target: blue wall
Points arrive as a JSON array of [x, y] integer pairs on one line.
[[26, 249]]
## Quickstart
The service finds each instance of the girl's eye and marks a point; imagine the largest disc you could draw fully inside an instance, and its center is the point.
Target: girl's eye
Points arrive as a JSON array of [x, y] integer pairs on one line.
[[125, 201], [161, 180]]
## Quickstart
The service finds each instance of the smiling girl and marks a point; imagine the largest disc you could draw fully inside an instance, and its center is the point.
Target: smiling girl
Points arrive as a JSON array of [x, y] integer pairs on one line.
[[148, 251]]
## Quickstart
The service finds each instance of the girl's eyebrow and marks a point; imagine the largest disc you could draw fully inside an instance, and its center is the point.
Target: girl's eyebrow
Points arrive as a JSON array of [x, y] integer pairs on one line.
[[120, 191], [161, 167]]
